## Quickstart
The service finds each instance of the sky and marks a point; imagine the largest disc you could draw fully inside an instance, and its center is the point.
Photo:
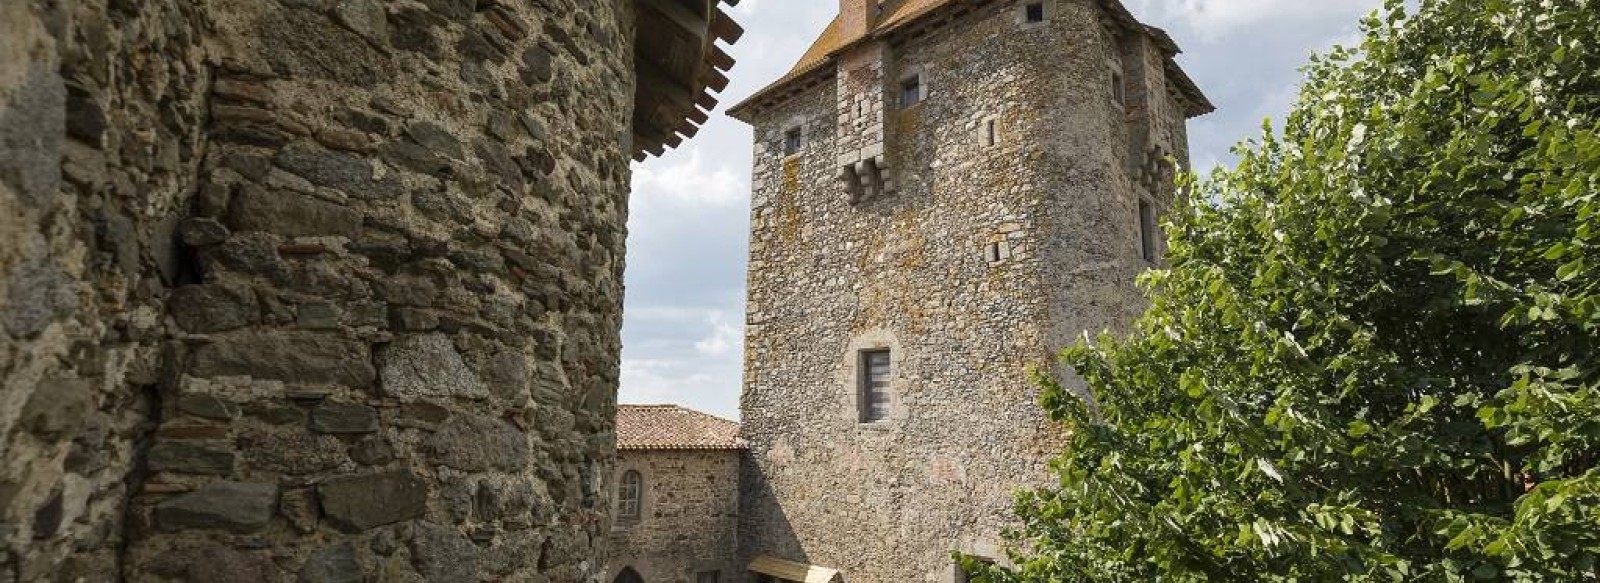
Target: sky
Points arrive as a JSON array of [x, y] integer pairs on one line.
[[683, 321]]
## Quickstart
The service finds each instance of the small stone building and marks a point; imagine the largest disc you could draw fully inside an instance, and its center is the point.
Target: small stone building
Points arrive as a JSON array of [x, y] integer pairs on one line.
[[676, 513], [946, 192], [323, 290]]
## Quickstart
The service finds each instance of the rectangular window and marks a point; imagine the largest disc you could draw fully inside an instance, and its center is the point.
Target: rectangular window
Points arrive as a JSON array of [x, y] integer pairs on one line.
[[991, 134], [792, 140], [1118, 90], [1034, 12], [911, 91], [708, 577], [1147, 231], [875, 373]]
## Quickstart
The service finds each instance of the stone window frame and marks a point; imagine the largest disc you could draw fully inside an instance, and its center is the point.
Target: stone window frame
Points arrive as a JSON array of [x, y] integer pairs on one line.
[[909, 75], [989, 133], [1023, 8], [997, 251], [635, 517], [855, 381], [794, 124]]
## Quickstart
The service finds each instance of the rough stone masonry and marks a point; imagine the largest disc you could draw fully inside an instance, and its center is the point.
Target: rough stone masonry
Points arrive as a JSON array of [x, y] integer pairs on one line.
[[316, 290], [956, 189]]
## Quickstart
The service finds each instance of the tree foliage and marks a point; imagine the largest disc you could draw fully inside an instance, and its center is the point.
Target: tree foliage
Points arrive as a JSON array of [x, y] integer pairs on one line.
[[1374, 355]]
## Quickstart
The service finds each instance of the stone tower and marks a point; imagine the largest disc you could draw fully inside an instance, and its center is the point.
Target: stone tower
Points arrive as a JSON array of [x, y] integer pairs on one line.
[[945, 193], [323, 290]]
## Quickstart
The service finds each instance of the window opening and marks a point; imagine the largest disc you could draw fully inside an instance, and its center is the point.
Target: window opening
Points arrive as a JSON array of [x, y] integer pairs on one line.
[[629, 494], [1034, 12], [875, 369], [911, 91], [792, 141], [1147, 228]]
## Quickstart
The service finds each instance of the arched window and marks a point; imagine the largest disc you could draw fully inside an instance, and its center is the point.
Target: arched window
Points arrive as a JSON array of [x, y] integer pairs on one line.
[[630, 498], [628, 575]]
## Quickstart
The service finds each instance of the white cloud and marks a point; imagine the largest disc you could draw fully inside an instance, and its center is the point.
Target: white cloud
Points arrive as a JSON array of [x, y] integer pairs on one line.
[[724, 338], [1213, 19], [688, 181]]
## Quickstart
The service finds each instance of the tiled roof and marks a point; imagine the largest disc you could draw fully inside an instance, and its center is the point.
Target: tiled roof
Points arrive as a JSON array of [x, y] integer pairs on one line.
[[832, 41], [670, 427]]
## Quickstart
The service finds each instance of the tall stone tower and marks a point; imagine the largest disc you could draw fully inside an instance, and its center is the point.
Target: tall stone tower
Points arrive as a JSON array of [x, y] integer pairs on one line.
[[946, 192]]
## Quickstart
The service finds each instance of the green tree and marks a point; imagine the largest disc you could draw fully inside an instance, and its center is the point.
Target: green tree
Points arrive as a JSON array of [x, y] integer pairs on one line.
[[1374, 355]]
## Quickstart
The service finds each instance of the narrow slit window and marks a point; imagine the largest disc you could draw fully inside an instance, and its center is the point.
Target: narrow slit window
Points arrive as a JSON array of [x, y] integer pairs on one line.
[[1033, 12], [911, 91], [1147, 231], [991, 133], [1119, 93], [792, 141], [875, 374]]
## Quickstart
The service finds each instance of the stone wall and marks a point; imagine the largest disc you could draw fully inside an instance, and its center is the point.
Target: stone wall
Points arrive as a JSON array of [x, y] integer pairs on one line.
[[689, 518], [308, 289], [984, 260]]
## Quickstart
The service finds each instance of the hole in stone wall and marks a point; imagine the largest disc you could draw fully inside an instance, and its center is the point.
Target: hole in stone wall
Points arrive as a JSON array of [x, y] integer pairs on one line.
[[1034, 12]]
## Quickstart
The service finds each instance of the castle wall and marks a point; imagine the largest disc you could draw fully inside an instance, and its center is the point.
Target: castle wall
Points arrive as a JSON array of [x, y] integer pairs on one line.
[[954, 272], [310, 290], [689, 522]]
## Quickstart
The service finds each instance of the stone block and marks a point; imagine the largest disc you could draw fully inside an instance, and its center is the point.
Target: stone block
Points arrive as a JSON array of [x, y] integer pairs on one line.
[[31, 136], [38, 292], [292, 452], [207, 406], [344, 418], [475, 443], [337, 170], [334, 564], [372, 451], [428, 367], [190, 457], [291, 214], [288, 357], [360, 503], [233, 506], [211, 308], [202, 232], [58, 408], [443, 555]]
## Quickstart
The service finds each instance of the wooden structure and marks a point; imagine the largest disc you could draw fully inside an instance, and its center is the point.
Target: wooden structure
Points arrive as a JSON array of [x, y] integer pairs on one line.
[[679, 66]]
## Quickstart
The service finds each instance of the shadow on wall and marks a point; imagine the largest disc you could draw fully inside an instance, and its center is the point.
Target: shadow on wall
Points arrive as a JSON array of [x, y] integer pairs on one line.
[[764, 529]]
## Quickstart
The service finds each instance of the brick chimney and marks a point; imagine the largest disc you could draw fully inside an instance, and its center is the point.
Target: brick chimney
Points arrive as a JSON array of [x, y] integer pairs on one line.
[[856, 17]]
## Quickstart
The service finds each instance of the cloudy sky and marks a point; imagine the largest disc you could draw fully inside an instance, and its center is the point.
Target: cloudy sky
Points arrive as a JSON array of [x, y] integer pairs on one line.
[[683, 331]]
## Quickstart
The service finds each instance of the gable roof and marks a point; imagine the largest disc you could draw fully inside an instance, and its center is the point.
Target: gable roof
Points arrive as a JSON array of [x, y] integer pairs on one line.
[[670, 427], [901, 13]]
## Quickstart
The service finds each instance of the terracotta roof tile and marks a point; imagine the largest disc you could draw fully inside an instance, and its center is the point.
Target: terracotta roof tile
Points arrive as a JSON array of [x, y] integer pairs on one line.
[[670, 427]]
